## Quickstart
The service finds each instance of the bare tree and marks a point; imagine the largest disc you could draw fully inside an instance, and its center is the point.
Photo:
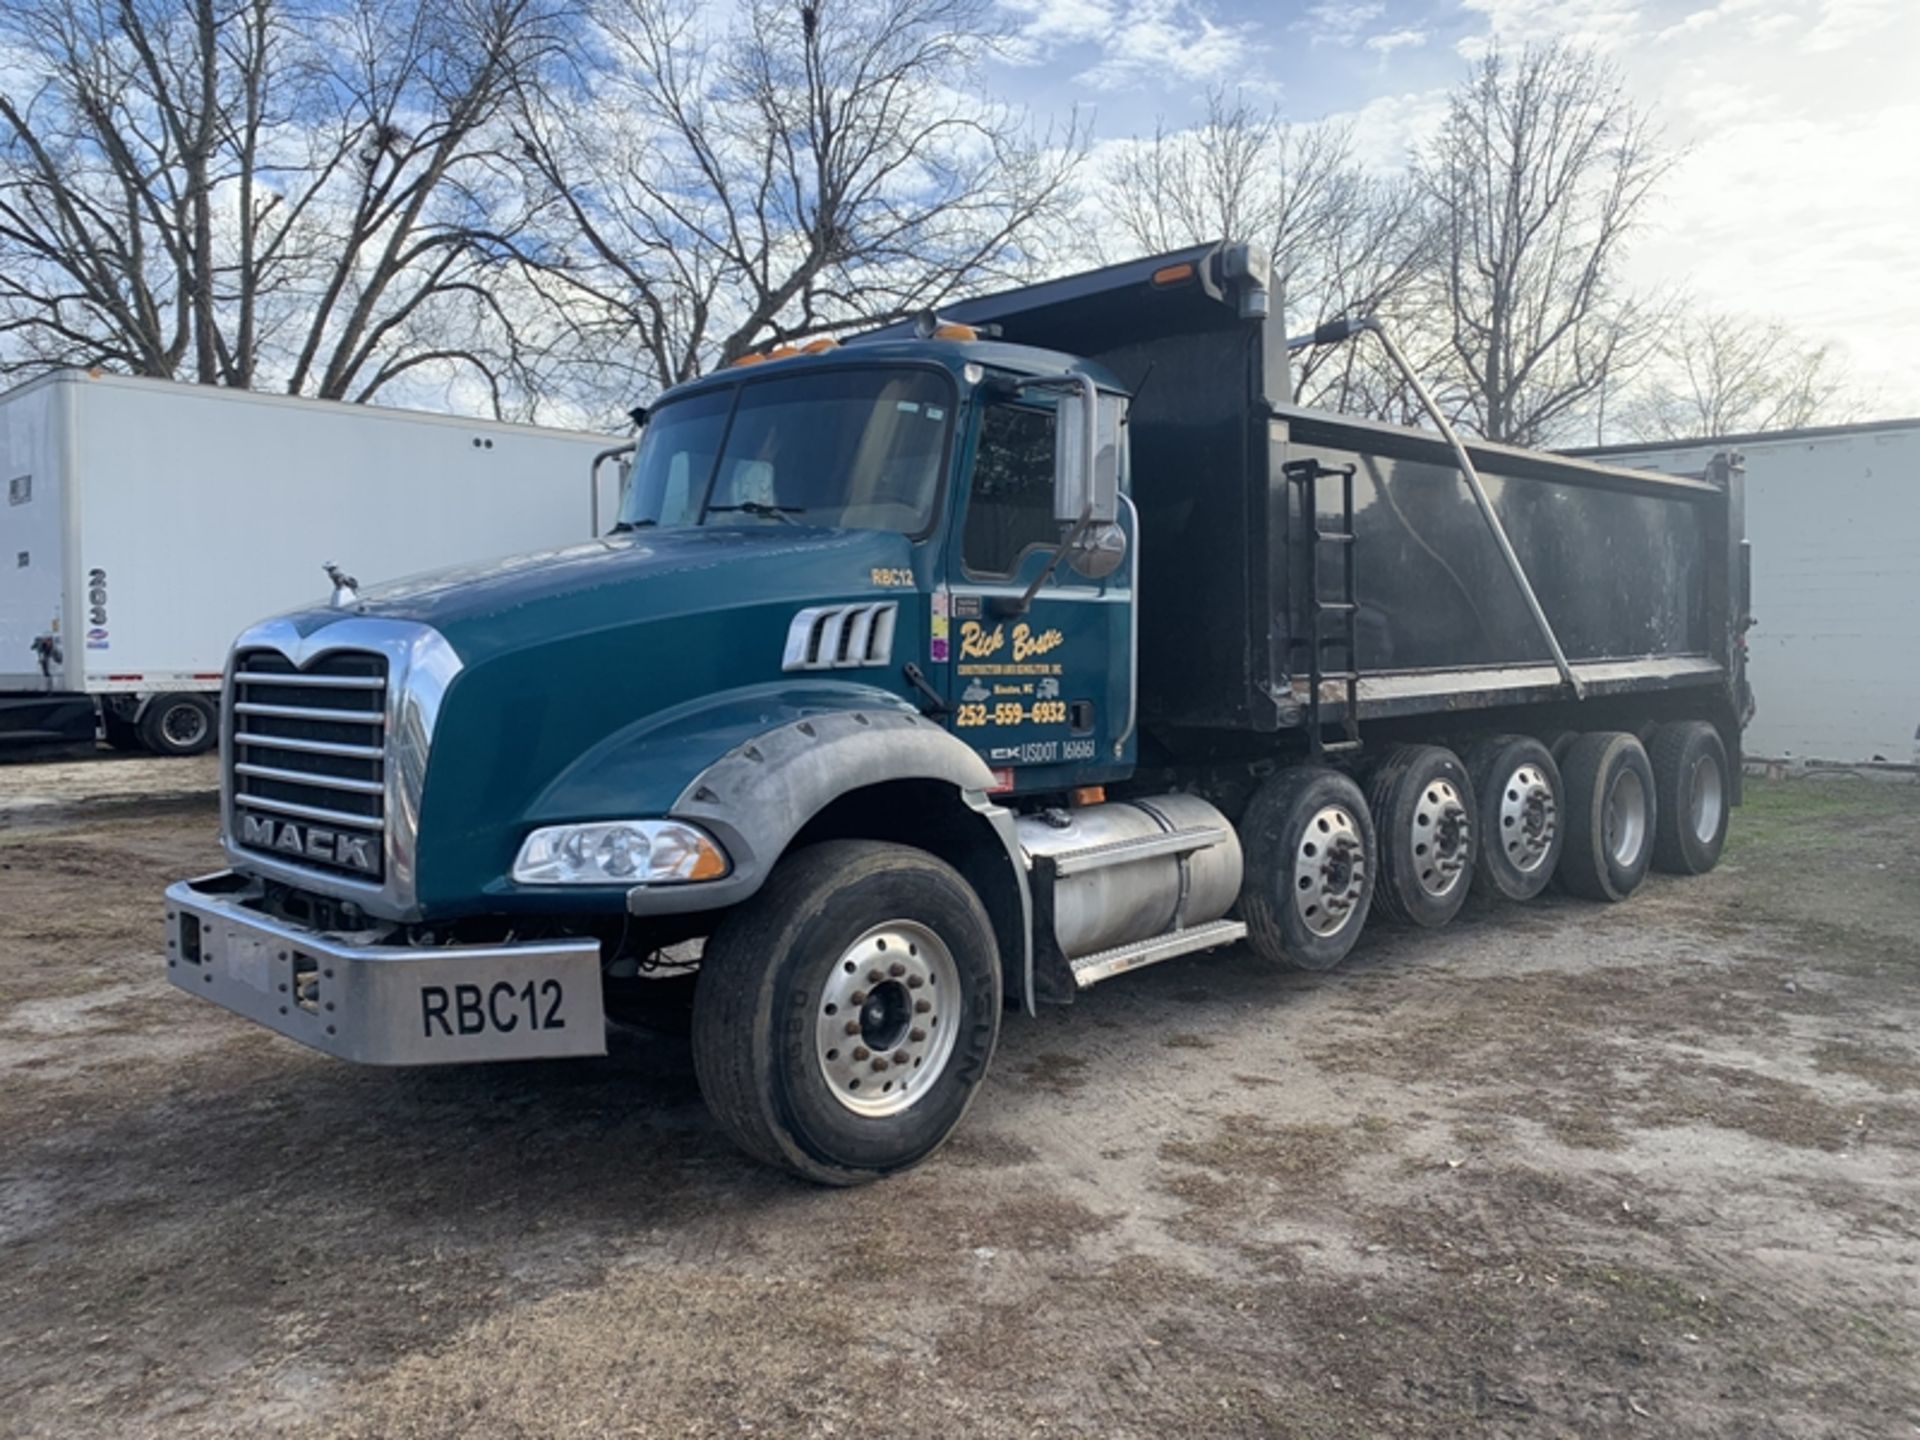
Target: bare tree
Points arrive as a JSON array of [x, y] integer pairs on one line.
[[1537, 179], [250, 195], [1342, 241], [804, 166], [1720, 374]]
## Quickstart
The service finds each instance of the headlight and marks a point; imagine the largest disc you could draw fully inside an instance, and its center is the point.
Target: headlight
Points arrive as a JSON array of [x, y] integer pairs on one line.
[[619, 852]]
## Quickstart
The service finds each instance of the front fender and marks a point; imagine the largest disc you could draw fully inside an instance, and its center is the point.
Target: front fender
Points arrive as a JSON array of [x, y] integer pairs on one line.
[[755, 798]]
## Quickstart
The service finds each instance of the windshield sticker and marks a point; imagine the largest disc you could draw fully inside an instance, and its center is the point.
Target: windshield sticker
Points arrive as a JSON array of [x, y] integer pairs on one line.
[[936, 412], [908, 407]]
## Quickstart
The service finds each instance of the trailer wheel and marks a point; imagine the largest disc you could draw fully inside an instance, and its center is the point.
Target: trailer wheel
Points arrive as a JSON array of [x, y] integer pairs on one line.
[[179, 725], [1310, 866], [1518, 799], [1422, 804], [1690, 782], [1557, 743], [844, 1016], [1612, 809]]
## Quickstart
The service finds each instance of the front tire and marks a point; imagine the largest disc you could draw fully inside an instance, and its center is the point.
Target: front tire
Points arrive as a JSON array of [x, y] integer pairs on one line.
[[1310, 865], [818, 1015], [1690, 781], [1612, 812]]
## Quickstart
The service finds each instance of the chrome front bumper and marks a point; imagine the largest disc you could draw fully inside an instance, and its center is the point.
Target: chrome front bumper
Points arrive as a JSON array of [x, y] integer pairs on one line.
[[382, 1004]]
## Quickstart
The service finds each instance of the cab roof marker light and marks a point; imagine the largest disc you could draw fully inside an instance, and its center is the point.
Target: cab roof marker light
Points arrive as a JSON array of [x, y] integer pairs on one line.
[[1173, 274]]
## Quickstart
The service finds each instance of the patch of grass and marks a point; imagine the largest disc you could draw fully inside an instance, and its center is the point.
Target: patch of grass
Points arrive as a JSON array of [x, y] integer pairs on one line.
[[1786, 813]]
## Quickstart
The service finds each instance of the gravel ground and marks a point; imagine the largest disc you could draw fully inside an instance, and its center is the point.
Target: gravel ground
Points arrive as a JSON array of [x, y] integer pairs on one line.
[[1644, 1170]]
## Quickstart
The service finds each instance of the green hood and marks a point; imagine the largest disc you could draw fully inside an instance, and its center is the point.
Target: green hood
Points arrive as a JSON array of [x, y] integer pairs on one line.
[[598, 680]]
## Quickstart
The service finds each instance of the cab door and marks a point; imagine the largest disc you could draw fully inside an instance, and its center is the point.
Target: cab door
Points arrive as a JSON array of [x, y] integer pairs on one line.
[[1044, 690]]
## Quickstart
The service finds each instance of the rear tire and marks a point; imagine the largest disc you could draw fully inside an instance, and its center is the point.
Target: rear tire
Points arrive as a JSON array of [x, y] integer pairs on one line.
[[814, 952], [1310, 866], [1423, 821], [1612, 812], [1690, 781], [1522, 812], [179, 725]]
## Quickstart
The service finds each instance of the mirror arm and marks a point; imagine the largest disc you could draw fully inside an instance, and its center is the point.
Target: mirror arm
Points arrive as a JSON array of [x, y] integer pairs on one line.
[[1004, 605]]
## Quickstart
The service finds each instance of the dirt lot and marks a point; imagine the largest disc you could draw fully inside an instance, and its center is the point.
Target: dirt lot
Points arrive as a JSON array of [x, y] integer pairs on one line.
[[1647, 1170]]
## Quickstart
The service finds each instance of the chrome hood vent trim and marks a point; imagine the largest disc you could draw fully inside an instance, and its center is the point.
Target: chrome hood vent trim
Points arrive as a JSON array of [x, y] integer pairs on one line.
[[841, 637]]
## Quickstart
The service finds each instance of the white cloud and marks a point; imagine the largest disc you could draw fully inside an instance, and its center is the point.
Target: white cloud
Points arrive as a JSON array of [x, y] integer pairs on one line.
[[1603, 24], [1137, 40], [1844, 22], [1388, 41], [1335, 22]]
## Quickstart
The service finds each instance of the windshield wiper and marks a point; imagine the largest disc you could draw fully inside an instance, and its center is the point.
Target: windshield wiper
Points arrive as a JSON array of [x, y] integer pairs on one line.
[[626, 525], [759, 511]]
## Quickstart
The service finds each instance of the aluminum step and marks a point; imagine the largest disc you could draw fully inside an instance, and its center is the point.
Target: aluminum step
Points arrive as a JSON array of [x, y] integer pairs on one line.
[[1145, 847], [1091, 969]]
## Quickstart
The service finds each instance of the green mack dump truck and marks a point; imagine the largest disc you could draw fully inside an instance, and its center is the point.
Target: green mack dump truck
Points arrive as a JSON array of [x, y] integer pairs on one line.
[[952, 670]]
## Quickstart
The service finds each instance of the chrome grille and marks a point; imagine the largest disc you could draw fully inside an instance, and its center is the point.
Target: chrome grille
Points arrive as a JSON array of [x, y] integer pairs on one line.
[[307, 763]]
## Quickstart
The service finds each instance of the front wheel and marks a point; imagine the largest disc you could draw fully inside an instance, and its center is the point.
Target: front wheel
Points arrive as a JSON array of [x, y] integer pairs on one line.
[[846, 1014]]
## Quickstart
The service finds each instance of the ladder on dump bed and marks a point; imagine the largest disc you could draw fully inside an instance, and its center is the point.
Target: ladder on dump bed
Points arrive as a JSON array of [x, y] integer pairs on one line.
[[1306, 476]]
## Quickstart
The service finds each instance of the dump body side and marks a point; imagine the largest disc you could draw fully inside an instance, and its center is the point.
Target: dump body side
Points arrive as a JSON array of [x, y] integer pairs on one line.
[[1638, 574]]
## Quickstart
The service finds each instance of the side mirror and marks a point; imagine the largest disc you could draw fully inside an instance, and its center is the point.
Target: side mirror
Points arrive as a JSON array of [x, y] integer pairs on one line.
[[1086, 457]]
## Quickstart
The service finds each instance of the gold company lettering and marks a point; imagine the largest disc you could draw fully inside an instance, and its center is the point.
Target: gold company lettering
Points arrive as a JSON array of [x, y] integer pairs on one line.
[[1026, 643]]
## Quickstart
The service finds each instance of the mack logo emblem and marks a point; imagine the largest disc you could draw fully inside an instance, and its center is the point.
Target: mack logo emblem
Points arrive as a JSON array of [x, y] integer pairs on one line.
[[310, 842]]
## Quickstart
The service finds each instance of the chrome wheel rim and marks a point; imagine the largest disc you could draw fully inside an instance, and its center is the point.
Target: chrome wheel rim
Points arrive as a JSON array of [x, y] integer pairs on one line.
[[1529, 818], [1329, 871], [1626, 820], [1707, 803], [887, 1019], [1442, 833], [184, 725]]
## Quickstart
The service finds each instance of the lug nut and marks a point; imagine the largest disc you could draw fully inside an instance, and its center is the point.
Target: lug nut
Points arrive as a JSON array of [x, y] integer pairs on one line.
[[916, 1034], [853, 1027], [900, 1057], [876, 975], [896, 970], [914, 982], [860, 1052], [921, 1007], [878, 1066], [859, 997]]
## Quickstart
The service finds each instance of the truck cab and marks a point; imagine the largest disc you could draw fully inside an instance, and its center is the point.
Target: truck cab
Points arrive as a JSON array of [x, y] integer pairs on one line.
[[839, 729]]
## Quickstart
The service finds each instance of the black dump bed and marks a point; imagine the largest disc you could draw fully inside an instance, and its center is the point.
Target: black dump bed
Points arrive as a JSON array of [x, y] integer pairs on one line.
[[1637, 572]]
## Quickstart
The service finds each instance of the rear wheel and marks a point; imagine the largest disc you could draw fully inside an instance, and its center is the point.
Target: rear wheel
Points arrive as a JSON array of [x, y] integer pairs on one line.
[[1422, 804], [1611, 814], [1517, 794], [178, 725], [1690, 783], [844, 1017], [1310, 867]]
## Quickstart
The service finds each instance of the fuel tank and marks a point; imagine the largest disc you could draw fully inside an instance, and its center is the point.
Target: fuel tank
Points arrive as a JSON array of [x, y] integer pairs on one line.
[[1097, 909]]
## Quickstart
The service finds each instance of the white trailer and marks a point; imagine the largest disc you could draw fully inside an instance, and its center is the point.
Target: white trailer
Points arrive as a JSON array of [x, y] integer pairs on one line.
[[147, 523], [1833, 515]]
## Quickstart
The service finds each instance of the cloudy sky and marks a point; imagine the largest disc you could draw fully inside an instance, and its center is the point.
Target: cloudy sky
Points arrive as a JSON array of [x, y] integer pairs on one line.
[[1798, 197]]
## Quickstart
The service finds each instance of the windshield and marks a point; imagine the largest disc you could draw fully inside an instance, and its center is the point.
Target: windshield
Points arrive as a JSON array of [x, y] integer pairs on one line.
[[853, 449]]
